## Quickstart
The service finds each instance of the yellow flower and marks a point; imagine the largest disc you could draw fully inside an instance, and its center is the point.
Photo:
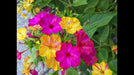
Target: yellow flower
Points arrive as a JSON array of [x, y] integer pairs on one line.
[[18, 9], [37, 42], [49, 45], [52, 63], [37, 9], [21, 34], [27, 4], [26, 66], [71, 25], [101, 69], [114, 48]]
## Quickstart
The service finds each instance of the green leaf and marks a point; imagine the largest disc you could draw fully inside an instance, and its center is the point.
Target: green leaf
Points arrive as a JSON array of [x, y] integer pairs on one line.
[[104, 33], [33, 52], [103, 4], [102, 54], [79, 2], [44, 3], [71, 71], [92, 3], [96, 20], [113, 65]]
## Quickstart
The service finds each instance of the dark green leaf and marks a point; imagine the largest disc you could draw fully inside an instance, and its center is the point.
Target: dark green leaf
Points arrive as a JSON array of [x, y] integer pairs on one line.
[[44, 3], [96, 20], [54, 73], [104, 33], [113, 65], [79, 2], [103, 4], [102, 54]]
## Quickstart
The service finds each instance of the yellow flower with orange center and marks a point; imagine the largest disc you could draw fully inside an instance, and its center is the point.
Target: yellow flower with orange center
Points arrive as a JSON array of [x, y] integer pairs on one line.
[[52, 63], [70, 24], [49, 45], [114, 48], [101, 69], [21, 34]]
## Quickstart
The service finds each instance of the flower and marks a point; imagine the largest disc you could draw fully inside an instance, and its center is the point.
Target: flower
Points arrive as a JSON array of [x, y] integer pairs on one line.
[[89, 59], [83, 43], [68, 56], [27, 4], [52, 63], [114, 48], [101, 69], [50, 24], [21, 34], [37, 9], [31, 36], [71, 25], [49, 45], [18, 9], [24, 15], [26, 66], [18, 55], [33, 72]]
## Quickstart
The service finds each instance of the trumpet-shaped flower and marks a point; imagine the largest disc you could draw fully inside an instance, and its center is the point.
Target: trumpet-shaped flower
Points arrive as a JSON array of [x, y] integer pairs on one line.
[[114, 48], [101, 69], [48, 22], [83, 43], [21, 34], [49, 45], [68, 56], [89, 59], [52, 63], [71, 25]]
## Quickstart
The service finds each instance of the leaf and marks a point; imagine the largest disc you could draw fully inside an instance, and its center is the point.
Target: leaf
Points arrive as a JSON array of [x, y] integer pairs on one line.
[[44, 3], [102, 54], [83, 66], [79, 2], [92, 3], [103, 4], [96, 20], [113, 65], [33, 52], [71, 71], [104, 33]]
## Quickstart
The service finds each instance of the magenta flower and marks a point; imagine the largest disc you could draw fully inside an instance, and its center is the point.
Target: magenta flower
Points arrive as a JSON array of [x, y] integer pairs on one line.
[[18, 55], [83, 43], [50, 24], [91, 58], [35, 20], [33, 72], [68, 56], [31, 36]]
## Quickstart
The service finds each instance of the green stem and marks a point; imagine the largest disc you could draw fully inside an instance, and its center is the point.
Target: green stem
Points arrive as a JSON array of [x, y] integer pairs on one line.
[[95, 41], [65, 36]]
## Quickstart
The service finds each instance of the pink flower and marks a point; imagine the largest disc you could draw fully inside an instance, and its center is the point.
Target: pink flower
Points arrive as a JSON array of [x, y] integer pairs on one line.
[[31, 36], [35, 20], [83, 43], [68, 56], [91, 58], [33, 72], [50, 24], [18, 55]]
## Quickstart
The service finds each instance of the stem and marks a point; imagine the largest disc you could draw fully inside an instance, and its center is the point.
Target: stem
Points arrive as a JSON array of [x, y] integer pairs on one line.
[[95, 41], [23, 51], [66, 36]]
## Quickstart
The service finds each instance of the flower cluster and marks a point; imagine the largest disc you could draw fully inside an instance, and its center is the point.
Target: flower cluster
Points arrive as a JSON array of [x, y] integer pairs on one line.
[[60, 42]]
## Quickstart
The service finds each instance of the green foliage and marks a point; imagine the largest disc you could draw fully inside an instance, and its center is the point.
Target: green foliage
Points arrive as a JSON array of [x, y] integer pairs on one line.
[[113, 66], [71, 71], [79, 2]]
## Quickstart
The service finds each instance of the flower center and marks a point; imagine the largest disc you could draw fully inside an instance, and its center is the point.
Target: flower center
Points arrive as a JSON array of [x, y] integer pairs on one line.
[[68, 54], [51, 26]]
